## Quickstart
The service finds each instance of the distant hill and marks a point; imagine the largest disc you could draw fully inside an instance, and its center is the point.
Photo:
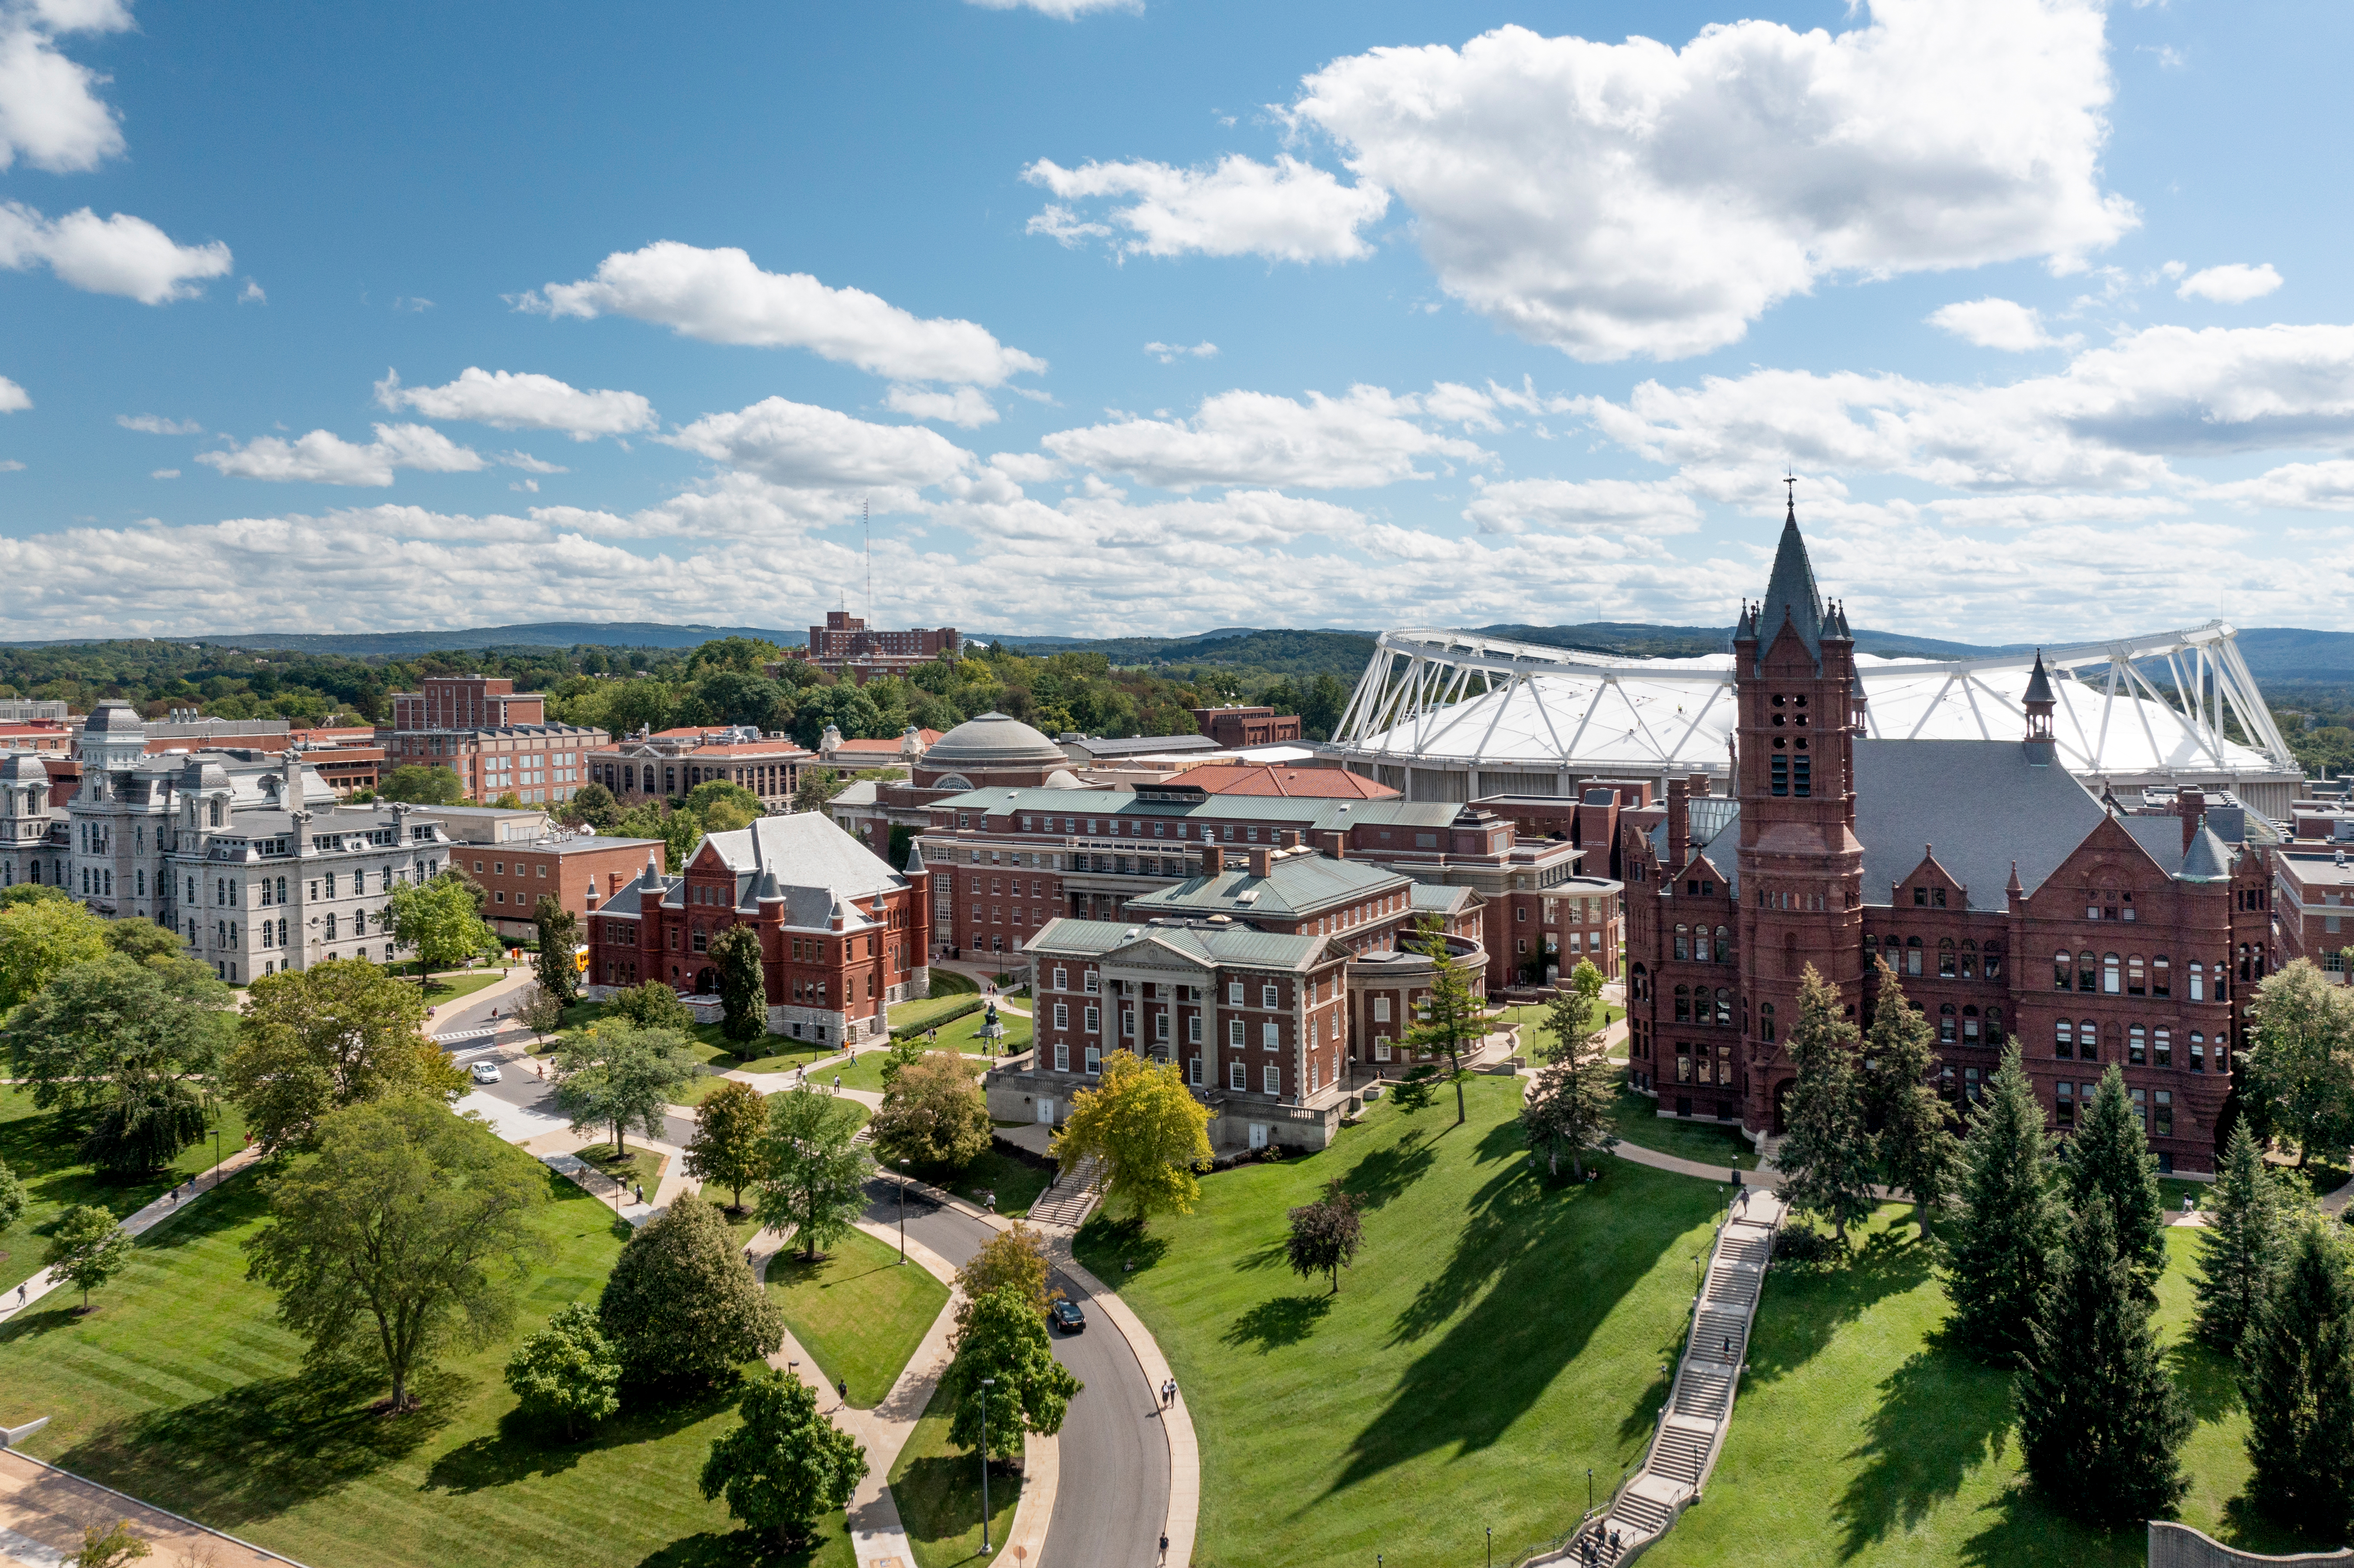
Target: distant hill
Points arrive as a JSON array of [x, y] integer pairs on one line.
[[1305, 653], [409, 644], [2288, 654], [1636, 639]]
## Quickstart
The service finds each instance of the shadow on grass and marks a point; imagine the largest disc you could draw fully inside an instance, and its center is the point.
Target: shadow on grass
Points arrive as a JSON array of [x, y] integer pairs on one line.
[[263, 1447], [1941, 1416], [1106, 1246], [711, 1548], [521, 1450], [2206, 1377], [1280, 1320], [940, 1500], [1385, 1172], [1805, 1308], [1533, 1274], [2024, 1531]]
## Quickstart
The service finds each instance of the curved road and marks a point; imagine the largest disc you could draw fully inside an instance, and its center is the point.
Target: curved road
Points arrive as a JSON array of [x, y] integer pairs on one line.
[[1114, 1493]]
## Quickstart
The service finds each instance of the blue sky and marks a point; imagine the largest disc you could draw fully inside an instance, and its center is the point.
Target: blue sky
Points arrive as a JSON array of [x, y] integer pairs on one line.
[[344, 319]]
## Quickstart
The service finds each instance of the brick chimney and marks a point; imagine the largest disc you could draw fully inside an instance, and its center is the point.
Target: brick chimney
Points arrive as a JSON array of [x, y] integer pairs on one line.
[[1214, 861], [1679, 826], [2190, 805], [1262, 861]]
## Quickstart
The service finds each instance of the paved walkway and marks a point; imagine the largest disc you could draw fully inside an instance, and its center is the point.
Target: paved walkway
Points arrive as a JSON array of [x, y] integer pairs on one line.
[[145, 1219], [43, 1511]]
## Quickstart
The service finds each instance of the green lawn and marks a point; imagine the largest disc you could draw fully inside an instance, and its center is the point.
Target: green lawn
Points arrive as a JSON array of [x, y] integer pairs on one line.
[[1534, 1036], [964, 1035], [40, 1147], [937, 1486], [715, 1050], [925, 1010], [182, 1390], [1709, 1142], [1495, 1338], [448, 985], [639, 1165], [1860, 1436], [858, 1309], [1016, 1186], [949, 982], [865, 1072]]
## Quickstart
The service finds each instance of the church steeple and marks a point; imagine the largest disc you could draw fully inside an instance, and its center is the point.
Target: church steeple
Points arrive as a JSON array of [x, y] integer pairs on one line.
[[1790, 593]]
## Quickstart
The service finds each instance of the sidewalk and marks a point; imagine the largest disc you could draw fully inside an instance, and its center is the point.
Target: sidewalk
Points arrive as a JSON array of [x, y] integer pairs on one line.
[[44, 1510], [138, 1224]]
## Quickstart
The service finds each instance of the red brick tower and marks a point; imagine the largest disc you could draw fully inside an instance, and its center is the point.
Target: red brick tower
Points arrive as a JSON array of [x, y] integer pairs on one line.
[[1799, 710]]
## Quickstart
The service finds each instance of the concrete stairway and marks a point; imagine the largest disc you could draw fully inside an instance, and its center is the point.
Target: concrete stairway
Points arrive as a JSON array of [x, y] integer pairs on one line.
[[1066, 1202], [1699, 1409]]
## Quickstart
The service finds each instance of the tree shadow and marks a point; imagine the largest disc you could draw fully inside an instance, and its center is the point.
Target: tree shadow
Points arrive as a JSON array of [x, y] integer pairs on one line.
[[1804, 1307], [1940, 1416], [1277, 1321], [1385, 1174], [263, 1447], [734, 1548], [1106, 1246], [2208, 1378], [520, 1448], [2023, 1530]]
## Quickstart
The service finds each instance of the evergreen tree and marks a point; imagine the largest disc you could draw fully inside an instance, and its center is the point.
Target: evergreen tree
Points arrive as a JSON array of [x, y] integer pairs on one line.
[[2296, 1376], [1999, 1256], [743, 986], [1571, 1106], [1572, 1016], [1828, 1156], [2240, 1246], [1918, 1151], [2100, 1425], [2111, 1156], [1452, 1020]]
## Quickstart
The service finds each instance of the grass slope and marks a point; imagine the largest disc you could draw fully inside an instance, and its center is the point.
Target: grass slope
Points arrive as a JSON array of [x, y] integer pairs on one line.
[[182, 1390], [858, 1309], [1495, 1338], [1861, 1437], [937, 1486], [1709, 1142], [40, 1147]]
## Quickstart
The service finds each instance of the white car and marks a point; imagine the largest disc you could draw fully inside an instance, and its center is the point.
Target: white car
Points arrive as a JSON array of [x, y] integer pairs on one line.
[[486, 1072]]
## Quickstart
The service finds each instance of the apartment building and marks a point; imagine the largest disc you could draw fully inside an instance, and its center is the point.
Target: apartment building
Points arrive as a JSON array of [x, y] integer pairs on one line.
[[497, 739]]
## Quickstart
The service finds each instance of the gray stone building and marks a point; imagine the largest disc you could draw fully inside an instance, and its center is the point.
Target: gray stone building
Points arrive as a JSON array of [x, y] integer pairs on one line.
[[248, 856]]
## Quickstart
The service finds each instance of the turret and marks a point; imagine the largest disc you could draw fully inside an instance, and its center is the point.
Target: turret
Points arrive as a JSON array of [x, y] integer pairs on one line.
[[2038, 704]]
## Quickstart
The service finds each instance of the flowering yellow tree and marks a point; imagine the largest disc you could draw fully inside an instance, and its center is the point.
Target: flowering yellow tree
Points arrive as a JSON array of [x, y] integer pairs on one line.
[[1148, 1130]]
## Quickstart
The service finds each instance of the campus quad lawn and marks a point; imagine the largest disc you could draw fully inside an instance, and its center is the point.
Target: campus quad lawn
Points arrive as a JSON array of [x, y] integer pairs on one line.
[[858, 1309], [937, 1486], [1709, 1142], [448, 985], [866, 1071], [1536, 1036], [951, 982], [40, 1147], [1861, 1437], [182, 1390], [714, 1050], [1495, 1338]]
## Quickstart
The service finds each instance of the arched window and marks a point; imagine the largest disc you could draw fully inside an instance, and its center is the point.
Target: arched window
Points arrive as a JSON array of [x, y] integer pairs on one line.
[[1946, 1023], [2197, 982], [1683, 942], [1766, 1021], [1871, 949], [2109, 974], [2064, 970], [2088, 1041], [1725, 1005], [1683, 1004], [1969, 1026], [2199, 1054], [2088, 972], [1638, 980], [2137, 982], [2064, 1040], [1970, 961], [1912, 955], [1946, 958], [1725, 944]]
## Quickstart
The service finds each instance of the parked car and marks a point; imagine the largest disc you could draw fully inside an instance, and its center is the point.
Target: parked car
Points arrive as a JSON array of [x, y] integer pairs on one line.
[[1066, 1316], [486, 1072]]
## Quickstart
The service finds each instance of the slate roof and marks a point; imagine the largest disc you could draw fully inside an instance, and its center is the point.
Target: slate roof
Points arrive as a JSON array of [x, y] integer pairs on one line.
[[2208, 859], [1436, 898], [804, 859], [1981, 804], [1296, 887], [1236, 945], [1791, 593], [1305, 814]]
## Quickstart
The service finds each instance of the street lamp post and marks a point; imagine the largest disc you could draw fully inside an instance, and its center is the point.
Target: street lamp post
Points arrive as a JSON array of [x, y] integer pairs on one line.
[[986, 1384], [216, 1155], [902, 1210]]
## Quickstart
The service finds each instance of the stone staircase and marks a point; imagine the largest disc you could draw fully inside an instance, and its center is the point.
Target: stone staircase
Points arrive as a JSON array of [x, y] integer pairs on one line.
[[1067, 1201], [1699, 1408]]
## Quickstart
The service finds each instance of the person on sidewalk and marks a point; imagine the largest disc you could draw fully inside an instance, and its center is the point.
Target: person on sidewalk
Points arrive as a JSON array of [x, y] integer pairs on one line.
[[842, 1393]]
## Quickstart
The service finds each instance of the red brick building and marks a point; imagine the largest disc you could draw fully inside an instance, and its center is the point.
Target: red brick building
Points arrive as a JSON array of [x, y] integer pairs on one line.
[[497, 739], [842, 936], [1233, 726], [580, 871], [670, 763], [844, 646], [2013, 905]]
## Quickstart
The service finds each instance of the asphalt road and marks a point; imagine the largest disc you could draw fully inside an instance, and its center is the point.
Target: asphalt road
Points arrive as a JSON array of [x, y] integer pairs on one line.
[[1114, 1492]]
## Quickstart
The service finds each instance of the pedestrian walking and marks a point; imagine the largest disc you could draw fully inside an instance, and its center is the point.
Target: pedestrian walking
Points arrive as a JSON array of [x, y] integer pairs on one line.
[[837, 1083], [842, 1391], [20, 1296], [1728, 1347], [1614, 1544], [642, 1192]]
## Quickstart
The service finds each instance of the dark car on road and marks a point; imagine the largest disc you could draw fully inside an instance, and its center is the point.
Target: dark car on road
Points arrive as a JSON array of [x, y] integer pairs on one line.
[[1066, 1316]]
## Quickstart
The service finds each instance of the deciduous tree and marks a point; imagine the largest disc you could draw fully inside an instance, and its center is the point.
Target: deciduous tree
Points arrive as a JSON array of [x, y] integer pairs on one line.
[[1828, 1156], [723, 807], [2110, 1156], [1010, 1260], [1004, 1339], [111, 1547], [111, 1027], [340, 1032], [12, 1197], [615, 1075], [1453, 1018], [409, 1225], [933, 1114], [86, 1249], [729, 1141], [652, 1005], [2296, 1078], [2100, 1425], [681, 1306], [1324, 1235], [813, 1178], [422, 784], [556, 963], [743, 986], [786, 1464], [1918, 1150], [2297, 1379], [2241, 1243], [440, 920], [594, 806], [40, 937], [1147, 1129], [2000, 1254], [568, 1372]]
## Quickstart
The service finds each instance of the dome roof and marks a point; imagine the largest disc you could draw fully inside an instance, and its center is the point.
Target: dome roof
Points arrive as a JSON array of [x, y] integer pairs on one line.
[[24, 767], [993, 740], [115, 718]]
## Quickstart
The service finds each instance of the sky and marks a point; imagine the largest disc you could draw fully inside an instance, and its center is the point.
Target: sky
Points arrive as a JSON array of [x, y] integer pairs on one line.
[[1115, 317]]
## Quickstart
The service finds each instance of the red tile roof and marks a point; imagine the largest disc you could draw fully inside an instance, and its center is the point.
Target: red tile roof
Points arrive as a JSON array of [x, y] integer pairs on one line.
[[1299, 783]]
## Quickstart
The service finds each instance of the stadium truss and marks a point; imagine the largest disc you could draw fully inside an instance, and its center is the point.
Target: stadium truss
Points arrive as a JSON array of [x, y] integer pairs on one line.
[[1452, 715]]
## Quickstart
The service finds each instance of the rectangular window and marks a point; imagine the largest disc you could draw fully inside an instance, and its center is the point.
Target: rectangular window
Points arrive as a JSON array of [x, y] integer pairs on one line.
[[1194, 1029], [1271, 1078], [1093, 981], [1062, 1057], [1380, 1010], [1267, 995], [2164, 1125], [1237, 1075], [1380, 1047], [1781, 775], [1160, 1026], [1193, 1071], [1061, 978], [2065, 1105], [1270, 1035], [1802, 775], [1234, 1031], [1062, 1015], [2140, 1108], [1095, 1061], [1095, 1019]]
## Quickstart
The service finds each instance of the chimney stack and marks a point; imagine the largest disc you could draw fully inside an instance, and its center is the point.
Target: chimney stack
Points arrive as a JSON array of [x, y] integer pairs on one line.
[[2190, 804], [1214, 861], [1262, 861], [1679, 825]]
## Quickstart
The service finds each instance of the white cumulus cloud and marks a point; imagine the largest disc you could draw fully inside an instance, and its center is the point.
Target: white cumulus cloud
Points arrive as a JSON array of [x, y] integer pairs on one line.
[[508, 400], [802, 445], [1631, 199], [13, 399], [720, 296], [157, 425], [50, 113], [118, 255], [1061, 10], [1290, 210], [967, 406], [1630, 506], [1171, 353], [1367, 437], [2234, 283], [1996, 324], [322, 457]]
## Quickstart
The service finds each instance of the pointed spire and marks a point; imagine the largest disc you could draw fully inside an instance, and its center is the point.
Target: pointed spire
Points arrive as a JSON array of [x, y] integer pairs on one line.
[[2038, 685], [2014, 887], [1791, 595]]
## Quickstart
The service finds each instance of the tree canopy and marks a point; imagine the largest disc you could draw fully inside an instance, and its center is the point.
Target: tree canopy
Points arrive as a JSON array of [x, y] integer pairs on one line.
[[614, 1074], [933, 1114], [786, 1464], [1453, 1018], [568, 1372], [1829, 1156], [340, 1032], [41, 936], [1148, 1130], [730, 1139], [1918, 1151], [556, 963], [113, 1027], [2296, 1078], [2000, 1256], [1324, 1235], [422, 784], [440, 919], [813, 1178], [681, 1306], [743, 985], [1004, 1339]]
